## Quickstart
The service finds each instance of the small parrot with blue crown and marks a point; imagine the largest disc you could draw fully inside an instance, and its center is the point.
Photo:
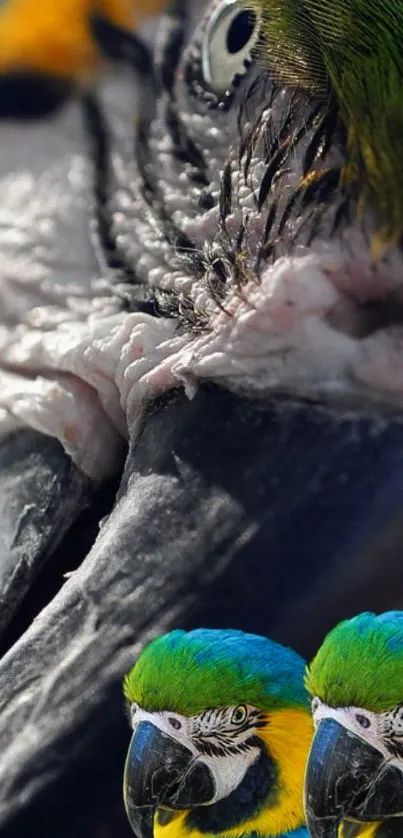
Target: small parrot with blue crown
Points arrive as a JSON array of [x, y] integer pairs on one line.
[[221, 732], [354, 777]]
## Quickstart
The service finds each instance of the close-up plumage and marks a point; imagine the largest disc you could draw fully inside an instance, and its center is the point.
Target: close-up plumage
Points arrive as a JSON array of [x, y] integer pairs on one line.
[[201, 401]]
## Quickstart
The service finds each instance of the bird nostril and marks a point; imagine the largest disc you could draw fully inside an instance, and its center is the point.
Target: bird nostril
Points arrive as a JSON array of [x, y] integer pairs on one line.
[[175, 723]]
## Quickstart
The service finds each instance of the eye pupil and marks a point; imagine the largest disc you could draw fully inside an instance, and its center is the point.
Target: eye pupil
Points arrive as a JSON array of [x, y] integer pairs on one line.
[[175, 723], [240, 31], [363, 721], [227, 47]]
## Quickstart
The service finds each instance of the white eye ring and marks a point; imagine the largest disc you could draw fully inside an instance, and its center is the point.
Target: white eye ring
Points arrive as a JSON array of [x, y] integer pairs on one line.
[[239, 714], [230, 36], [315, 704]]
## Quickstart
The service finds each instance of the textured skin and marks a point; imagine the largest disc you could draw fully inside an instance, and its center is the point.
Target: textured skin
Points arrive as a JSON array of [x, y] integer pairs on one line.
[[266, 290], [49, 259]]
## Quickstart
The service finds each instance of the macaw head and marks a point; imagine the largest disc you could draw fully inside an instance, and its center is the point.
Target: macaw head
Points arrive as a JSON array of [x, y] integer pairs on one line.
[[355, 766], [221, 730]]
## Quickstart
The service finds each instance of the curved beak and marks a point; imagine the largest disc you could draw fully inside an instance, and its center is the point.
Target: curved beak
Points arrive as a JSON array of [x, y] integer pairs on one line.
[[159, 771], [348, 778]]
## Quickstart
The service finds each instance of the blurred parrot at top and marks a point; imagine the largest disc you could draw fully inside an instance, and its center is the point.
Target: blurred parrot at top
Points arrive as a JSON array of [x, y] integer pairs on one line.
[[221, 731], [256, 207], [355, 766], [49, 48]]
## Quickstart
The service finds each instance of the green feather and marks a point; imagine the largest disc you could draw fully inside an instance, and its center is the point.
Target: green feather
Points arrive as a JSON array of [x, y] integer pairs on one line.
[[187, 672], [352, 48], [360, 663]]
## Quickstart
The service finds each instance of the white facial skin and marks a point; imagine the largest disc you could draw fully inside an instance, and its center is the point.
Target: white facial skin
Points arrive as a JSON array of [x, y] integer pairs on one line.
[[384, 731], [214, 727]]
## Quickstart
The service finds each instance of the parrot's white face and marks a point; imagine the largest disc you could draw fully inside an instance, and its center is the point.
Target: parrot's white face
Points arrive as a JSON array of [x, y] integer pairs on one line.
[[231, 224], [384, 731], [224, 739]]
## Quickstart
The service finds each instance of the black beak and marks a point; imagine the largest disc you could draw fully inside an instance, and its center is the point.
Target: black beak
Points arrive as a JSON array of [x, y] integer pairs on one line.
[[213, 519], [348, 778], [161, 771]]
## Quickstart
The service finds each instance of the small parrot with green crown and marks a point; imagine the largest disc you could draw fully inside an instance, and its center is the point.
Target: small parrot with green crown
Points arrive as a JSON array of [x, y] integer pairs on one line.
[[354, 776], [221, 732]]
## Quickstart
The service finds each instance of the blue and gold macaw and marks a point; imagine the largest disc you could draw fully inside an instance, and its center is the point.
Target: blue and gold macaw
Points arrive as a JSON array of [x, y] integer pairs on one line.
[[236, 502], [221, 731], [355, 768]]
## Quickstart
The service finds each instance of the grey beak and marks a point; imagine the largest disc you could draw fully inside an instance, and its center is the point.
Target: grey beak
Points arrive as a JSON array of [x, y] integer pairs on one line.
[[41, 494], [286, 515]]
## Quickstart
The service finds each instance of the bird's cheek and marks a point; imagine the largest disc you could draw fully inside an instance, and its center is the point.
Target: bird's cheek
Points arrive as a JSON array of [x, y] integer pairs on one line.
[[347, 777], [229, 771]]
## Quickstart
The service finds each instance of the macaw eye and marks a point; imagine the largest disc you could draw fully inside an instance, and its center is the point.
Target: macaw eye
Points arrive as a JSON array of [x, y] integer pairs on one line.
[[230, 36], [239, 715], [314, 704], [363, 720]]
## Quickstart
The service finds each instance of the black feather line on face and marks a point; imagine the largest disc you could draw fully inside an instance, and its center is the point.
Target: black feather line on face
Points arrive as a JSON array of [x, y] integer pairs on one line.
[[216, 735]]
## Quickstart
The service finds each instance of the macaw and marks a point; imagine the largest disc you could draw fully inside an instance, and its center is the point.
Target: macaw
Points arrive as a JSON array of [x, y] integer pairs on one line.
[[200, 367], [354, 773], [221, 731]]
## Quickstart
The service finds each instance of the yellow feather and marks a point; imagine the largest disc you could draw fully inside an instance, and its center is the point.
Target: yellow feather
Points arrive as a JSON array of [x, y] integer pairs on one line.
[[53, 36], [348, 829]]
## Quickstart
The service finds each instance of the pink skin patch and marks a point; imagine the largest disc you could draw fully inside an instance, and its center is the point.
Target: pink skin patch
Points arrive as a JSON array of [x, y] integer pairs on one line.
[[276, 336], [76, 366], [362, 281]]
